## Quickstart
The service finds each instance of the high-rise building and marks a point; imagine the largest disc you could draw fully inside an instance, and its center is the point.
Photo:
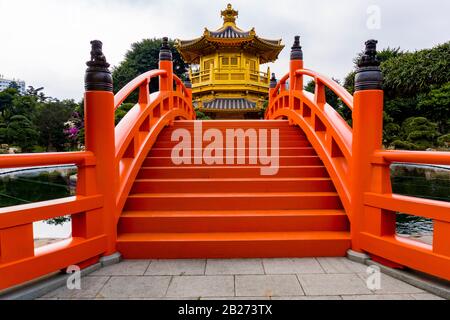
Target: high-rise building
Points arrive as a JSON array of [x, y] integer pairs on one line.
[[6, 83]]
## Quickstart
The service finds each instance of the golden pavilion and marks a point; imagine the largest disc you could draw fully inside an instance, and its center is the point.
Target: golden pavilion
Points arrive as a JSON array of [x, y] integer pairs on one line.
[[225, 69]]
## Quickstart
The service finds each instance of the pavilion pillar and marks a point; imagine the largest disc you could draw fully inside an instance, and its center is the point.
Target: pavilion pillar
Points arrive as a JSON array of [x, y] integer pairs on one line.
[[367, 136]]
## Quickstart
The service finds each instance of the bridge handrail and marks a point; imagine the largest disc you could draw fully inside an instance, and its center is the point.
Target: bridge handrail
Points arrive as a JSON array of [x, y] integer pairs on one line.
[[340, 91], [18, 255], [335, 145], [45, 159], [106, 172], [360, 168], [137, 132], [381, 239], [422, 157], [280, 85], [141, 82]]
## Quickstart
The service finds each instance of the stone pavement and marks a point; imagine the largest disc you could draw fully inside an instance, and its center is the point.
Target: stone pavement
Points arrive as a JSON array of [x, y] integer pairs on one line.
[[241, 279]]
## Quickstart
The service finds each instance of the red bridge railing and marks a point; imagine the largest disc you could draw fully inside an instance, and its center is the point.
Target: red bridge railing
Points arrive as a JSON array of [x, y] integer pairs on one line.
[[359, 167], [106, 172]]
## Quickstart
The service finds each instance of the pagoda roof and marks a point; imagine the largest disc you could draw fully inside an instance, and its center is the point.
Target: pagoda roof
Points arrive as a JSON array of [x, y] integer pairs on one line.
[[224, 104], [229, 36]]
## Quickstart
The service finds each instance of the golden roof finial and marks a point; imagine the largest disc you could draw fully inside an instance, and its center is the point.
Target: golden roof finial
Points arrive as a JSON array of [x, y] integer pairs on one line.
[[229, 15]]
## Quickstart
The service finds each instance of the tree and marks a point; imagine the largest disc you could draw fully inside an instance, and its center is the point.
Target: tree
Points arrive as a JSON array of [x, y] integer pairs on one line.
[[436, 106], [14, 85], [416, 86], [122, 111], [50, 119], [24, 105], [332, 99], [417, 133], [201, 116], [143, 57], [21, 132], [6, 101], [31, 91]]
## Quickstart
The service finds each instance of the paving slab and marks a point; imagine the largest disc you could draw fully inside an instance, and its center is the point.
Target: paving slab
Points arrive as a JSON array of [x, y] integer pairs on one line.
[[201, 286], [333, 284], [135, 287], [425, 296], [308, 298], [379, 297], [236, 298], [176, 267], [237, 279], [268, 286], [234, 266], [90, 286], [341, 265], [125, 268], [292, 266], [389, 285]]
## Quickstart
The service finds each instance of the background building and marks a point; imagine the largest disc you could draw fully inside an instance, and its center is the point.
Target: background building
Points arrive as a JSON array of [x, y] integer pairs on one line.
[[6, 83], [225, 69]]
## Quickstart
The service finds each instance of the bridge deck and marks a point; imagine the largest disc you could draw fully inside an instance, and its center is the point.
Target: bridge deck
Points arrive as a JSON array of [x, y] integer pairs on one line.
[[262, 279]]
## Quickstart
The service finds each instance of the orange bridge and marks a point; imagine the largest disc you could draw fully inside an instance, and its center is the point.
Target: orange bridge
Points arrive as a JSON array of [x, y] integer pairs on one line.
[[331, 192]]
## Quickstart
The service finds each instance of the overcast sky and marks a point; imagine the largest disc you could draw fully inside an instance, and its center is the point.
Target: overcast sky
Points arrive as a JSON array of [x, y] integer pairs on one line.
[[46, 42]]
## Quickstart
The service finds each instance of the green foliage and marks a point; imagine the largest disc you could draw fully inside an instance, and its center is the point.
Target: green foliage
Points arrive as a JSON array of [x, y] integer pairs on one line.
[[444, 141], [50, 120], [6, 102], [416, 72], [417, 133], [201, 115], [21, 131], [122, 111], [262, 112], [435, 105], [416, 86], [333, 100], [34, 122], [143, 57]]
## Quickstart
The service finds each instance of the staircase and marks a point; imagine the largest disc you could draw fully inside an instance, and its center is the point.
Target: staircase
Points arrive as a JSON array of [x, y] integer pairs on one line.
[[231, 211]]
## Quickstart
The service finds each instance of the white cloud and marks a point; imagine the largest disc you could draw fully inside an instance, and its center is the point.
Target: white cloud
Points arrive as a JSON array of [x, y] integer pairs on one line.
[[46, 42]]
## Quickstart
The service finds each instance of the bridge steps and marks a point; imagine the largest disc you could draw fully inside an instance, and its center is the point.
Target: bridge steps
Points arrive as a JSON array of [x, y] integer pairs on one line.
[[232, 221], [232, 211], [284, 143], [289, 151], [283, 161], [226, 172], [233, 245], [223, 185], [233, 201]]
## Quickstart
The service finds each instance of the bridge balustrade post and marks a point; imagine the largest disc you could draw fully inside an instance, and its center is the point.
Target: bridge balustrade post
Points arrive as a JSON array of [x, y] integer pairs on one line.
[[296, 82], [188, 85], [166, 63], [272, 93], [367, 136], [100, 138]]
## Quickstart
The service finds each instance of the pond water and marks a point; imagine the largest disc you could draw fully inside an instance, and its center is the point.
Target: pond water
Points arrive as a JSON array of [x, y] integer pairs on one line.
[[27, 186], [430, 182]]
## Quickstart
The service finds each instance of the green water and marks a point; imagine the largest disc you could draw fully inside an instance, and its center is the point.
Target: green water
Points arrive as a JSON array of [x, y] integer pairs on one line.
[[426, 182], [30, 186]]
